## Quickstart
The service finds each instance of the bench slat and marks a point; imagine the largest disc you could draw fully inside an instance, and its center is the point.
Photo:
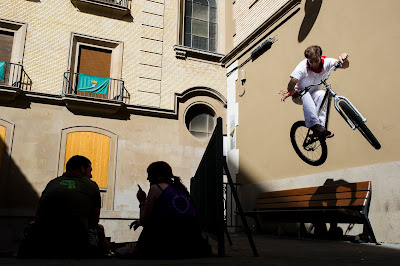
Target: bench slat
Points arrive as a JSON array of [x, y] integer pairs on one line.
[[312, 204], [360, 186], [317, 197], [311, 215]]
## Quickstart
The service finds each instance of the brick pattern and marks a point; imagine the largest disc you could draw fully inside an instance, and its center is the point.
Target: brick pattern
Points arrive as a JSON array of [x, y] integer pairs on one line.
[[150, 70], [250, 14], [151, 53]]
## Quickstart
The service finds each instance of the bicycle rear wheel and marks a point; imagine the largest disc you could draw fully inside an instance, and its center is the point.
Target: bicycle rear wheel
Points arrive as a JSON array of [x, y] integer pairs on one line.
[[360, 125], [310, 149]]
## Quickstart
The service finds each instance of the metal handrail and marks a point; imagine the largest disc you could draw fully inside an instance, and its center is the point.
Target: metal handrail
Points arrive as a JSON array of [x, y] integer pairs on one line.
[[15, 77], [115, 90], [230, 208]]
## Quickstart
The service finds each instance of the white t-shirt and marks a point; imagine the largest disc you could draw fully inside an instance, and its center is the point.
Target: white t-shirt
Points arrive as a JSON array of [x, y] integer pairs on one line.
[[307, 77]]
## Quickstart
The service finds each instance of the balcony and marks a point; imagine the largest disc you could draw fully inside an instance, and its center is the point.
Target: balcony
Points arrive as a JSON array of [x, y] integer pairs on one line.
[[84, 93], [13, 80], [109, 8]]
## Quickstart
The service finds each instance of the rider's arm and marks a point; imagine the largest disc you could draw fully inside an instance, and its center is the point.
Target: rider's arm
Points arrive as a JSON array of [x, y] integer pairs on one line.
[[291, 85], [344, 58]]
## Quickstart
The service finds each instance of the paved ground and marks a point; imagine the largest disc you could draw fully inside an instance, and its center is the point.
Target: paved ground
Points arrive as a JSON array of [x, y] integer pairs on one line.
[[272, 251]]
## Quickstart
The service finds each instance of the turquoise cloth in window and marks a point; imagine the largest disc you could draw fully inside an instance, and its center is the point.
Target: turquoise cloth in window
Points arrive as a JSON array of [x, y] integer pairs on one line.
[[2, 66], [93, 84]]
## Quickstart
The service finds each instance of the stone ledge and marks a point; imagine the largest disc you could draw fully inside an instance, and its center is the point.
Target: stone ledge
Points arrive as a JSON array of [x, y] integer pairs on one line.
[[182, 52]]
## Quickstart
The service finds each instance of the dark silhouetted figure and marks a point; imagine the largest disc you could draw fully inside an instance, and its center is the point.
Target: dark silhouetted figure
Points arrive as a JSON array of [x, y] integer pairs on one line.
[[67, 218], [167, 214]]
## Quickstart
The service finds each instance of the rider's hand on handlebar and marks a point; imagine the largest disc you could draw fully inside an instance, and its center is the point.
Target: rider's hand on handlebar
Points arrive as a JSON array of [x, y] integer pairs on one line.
[[343, 57]]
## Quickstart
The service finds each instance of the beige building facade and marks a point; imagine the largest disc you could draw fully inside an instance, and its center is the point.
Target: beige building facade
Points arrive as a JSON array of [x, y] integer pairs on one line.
[[260, 153], [165, 89]]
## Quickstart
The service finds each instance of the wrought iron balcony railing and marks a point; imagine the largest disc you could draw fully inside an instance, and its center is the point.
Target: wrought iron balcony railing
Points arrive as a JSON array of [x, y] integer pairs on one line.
[[14, 76], [112, 89], [117, 3], [122, 3]]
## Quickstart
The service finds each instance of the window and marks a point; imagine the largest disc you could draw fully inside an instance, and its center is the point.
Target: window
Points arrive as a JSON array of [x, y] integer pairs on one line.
[[2, 141], [83, 48], [94, 61], [12, 43], [201, 24], [95, 147], [99, 146], [6, 43], [6, 140], [199, 120], [95, 68]]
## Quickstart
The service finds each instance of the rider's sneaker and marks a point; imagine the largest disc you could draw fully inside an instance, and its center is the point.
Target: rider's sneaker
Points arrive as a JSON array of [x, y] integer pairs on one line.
[[321, 132]]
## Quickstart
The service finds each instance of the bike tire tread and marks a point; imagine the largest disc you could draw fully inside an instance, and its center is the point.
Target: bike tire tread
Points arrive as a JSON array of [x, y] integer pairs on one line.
[[298, 150], [360, 125]]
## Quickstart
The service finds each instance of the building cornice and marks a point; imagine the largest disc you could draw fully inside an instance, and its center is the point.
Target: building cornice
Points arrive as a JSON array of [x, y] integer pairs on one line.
[[114, 107], [286, 10]]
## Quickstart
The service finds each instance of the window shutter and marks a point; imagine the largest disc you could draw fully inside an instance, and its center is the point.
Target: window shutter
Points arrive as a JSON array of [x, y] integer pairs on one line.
[[95, 147], [2, 140], [6, 43], [94, 61]]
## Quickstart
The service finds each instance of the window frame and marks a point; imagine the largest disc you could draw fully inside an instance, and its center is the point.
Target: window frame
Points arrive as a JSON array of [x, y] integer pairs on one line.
[[7, 148], [208, 21], [203, 105], [184, 52], [116, 48], [108, 193], [19, 29]]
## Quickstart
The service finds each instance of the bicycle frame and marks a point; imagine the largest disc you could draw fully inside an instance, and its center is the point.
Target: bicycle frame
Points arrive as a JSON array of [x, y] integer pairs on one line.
[[313, 149], [329, 94]]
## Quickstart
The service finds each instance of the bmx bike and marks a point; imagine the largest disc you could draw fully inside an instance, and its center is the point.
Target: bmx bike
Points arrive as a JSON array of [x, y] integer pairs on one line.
[[312, 149]]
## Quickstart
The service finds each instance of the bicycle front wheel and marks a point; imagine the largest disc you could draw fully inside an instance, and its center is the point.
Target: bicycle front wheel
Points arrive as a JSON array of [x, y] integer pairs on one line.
[[310, 149], [360, 125]]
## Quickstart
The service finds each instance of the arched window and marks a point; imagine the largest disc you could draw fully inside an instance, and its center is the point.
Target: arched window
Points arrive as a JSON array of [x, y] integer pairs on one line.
[[2, 141], [100, 147], [6, 140], [201, 24], [94, 146]]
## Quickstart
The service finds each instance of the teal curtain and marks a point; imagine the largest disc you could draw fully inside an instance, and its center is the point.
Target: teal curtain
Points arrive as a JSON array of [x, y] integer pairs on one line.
[[93, 84], [2, 66]]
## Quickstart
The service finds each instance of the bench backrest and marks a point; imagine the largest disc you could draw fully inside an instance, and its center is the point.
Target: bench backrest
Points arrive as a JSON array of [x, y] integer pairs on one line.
[[344, 195]]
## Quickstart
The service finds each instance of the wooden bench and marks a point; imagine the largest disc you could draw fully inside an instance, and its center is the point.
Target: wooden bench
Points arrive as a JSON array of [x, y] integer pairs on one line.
[[339, 203]]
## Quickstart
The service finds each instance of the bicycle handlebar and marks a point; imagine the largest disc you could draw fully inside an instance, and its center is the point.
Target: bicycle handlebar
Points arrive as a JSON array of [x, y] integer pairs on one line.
[[324, 78]]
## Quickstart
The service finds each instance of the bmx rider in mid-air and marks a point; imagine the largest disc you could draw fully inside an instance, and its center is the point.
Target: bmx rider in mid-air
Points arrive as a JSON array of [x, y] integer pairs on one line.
[[310, 71]]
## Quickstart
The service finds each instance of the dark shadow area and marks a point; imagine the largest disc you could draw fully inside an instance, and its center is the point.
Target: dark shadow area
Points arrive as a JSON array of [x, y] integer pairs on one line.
[[207, 191], [320, 228], [19, 101], [262, 48], [98, 111], [18, 201], [327, 212], [311, 8]]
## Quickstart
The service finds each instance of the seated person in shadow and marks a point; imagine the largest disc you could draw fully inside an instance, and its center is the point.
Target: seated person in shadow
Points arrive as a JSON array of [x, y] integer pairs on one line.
[[167, 214], [67, 217], [320, 228]]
